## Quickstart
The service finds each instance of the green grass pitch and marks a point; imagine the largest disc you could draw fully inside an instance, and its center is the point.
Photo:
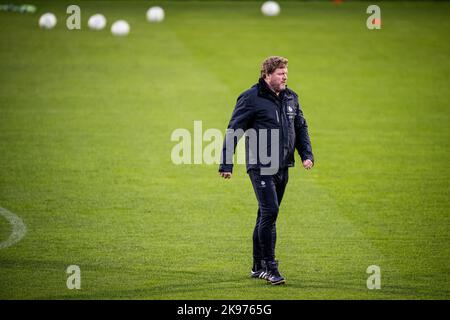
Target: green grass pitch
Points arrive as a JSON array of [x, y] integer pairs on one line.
[[85, 126]]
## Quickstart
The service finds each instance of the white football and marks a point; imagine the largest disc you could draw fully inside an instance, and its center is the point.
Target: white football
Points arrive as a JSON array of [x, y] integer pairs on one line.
[[120, 28], [270, 8], [47, 20], [97, 22], [155, 14]]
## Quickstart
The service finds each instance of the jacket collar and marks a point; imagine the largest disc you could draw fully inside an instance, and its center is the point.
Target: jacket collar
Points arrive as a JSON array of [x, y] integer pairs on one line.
[[265, 91]]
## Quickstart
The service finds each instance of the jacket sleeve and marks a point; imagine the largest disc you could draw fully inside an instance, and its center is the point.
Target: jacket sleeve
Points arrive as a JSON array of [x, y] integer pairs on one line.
[[240, 119], [302, 141]]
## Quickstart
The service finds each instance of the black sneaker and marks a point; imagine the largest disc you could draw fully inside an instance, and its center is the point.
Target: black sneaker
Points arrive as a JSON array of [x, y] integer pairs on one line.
[[272, 274], [258, 270], [261, 273]]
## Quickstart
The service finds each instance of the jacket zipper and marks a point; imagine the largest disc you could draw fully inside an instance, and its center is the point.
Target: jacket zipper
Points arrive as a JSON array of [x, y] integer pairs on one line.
[[282, 137], [278, 118]]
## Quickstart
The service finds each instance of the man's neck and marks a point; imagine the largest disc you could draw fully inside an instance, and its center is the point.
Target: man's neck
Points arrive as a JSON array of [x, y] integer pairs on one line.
[[271, 88]]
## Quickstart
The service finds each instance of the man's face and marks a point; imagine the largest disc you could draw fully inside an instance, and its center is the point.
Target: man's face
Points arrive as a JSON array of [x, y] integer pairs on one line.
[[278, 79]]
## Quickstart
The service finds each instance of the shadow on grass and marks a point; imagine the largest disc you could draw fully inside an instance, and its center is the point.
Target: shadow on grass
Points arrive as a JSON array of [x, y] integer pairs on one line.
[[213, 285], [193, 285]]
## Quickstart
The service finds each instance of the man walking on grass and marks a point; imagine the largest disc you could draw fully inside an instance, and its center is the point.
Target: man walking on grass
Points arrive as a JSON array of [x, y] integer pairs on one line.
[[270, 115]]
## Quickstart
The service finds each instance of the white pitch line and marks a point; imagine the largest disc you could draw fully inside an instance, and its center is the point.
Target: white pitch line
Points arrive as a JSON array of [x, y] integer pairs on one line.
[[18, 228]]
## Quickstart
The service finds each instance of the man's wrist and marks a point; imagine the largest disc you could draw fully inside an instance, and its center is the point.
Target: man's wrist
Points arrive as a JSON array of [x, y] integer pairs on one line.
[[226, 168]]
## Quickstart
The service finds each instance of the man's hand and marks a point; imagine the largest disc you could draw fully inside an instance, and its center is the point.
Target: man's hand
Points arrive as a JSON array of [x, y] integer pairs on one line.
[[225, 175], [308, 164]]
